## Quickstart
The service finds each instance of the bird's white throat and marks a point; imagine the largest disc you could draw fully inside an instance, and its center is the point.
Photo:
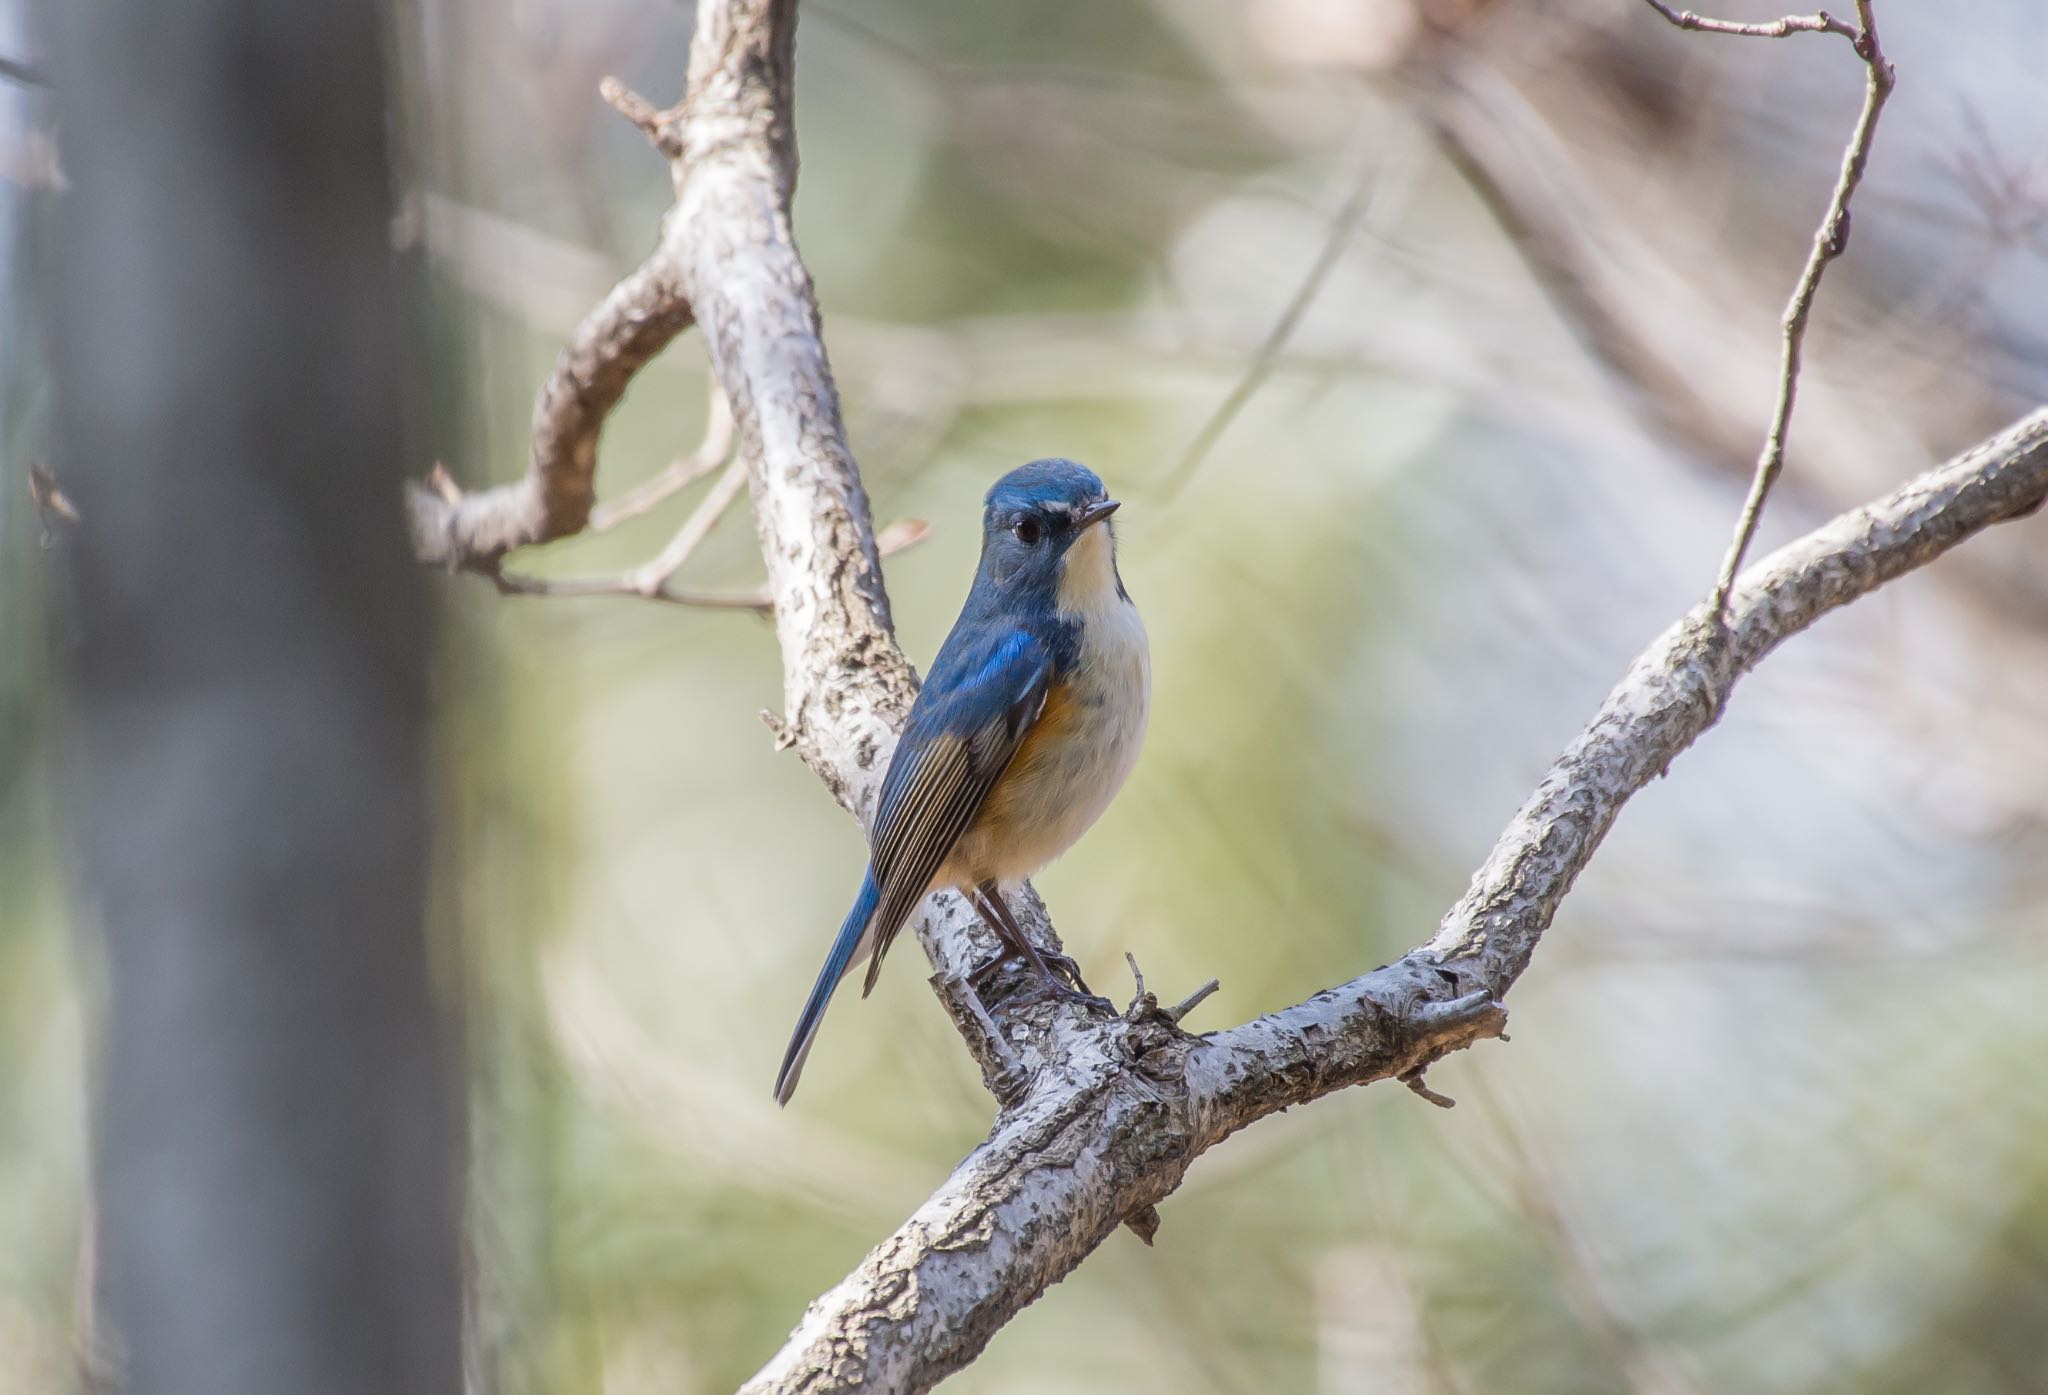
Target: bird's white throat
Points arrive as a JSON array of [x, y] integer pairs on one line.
[[1088, 582]]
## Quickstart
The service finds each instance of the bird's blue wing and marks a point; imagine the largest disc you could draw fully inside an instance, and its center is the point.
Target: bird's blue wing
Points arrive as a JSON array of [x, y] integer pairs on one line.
[[985, 691], [986, 688]]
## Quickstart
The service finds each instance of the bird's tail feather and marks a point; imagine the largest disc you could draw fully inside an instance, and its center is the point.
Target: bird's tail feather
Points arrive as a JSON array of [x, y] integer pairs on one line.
[[853, 944]]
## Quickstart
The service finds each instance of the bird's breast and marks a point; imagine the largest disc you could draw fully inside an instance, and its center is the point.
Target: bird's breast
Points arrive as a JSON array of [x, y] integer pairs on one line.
[[1075, 757]]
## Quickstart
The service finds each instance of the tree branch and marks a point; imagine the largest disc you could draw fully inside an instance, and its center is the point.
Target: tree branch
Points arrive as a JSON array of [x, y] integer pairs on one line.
[[1821, 23], [681, 473], [1102, 1113], [621, 336], [1117, 1110], [1830, 240]]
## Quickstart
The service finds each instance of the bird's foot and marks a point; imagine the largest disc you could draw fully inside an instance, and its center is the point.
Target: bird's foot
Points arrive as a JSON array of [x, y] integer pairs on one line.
[[1061, 991], [1065, 985]]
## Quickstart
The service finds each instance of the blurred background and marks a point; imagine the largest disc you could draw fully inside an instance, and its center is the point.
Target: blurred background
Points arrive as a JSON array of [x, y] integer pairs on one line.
[[1498, 286]]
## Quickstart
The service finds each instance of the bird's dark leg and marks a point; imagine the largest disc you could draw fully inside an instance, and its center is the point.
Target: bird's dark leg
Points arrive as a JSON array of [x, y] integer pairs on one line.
[[988, 900], [1008, 948]]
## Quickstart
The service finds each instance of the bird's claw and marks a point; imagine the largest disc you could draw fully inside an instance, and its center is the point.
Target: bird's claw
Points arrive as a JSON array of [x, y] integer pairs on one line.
[[1065, 985], [1066, 994], [1070, 969]]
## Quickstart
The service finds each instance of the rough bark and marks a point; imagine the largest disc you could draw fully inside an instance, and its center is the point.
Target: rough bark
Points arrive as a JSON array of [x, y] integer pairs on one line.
[[554, 498], [1115, 1110], [275, 1169], [1101, 1114]]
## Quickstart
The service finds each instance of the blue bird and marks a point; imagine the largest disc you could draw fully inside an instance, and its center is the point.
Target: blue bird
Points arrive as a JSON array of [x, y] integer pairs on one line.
[[1024, 731]]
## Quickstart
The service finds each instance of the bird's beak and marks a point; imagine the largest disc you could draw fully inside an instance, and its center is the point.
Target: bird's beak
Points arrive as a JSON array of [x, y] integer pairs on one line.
[[1095, 513]]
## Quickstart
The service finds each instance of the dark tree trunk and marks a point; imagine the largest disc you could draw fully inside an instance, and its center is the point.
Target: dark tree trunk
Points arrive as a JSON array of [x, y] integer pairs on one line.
[[275, 1143]]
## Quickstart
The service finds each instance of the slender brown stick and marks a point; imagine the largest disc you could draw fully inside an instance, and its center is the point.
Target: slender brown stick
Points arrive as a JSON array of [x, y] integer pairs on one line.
[[1830, 240]]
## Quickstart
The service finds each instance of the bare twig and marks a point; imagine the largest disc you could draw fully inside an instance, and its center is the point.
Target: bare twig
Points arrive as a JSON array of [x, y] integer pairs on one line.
[[1415, 1081], [628, 328], [1830, 240], [651, 582], [1193, 1000], [659, 126], [680, 473], [1821, 23]]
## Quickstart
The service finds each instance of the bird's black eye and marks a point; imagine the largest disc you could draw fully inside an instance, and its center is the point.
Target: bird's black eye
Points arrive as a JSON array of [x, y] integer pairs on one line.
[[1028, 531]]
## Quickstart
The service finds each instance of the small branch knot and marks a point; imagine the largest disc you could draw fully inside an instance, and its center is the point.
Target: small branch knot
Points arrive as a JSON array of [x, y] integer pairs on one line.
[[1414, 1081], [662, 126], [785, 731]]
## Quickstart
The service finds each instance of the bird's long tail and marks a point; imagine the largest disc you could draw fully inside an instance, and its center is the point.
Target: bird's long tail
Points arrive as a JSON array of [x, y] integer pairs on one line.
[[846, 953]]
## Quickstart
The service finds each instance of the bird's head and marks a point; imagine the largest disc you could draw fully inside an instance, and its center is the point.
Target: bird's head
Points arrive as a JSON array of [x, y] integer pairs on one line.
[[1046, 530]]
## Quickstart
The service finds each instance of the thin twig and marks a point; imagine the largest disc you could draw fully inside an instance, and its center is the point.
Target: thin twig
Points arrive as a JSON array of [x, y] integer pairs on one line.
[[680, 473], [521, 584], [658, 124], [1193, 1000], [695, 529], [651, 581], [1830, 240], [1415, 1081], [1268, 352], [1821, 23]]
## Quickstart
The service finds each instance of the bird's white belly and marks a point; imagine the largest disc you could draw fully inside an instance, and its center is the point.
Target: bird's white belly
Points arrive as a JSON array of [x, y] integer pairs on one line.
[[1073, 765]]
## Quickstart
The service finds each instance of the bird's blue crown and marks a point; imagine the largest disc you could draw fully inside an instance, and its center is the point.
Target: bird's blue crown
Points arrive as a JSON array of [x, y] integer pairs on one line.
[[1040, 484]]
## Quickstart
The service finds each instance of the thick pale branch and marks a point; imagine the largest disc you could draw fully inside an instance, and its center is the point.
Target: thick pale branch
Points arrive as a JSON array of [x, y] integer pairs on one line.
[[553, 499], [1116, 1110], [846, 684]]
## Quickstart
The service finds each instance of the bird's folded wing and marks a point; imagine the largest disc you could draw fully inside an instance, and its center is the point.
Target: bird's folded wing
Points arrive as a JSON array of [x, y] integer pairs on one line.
[[967, 725]]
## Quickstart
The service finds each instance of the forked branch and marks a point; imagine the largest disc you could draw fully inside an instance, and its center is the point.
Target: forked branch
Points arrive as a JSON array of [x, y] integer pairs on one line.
[[1117, 1109], [1830, 240], [1102, 1113], [554, 498]]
